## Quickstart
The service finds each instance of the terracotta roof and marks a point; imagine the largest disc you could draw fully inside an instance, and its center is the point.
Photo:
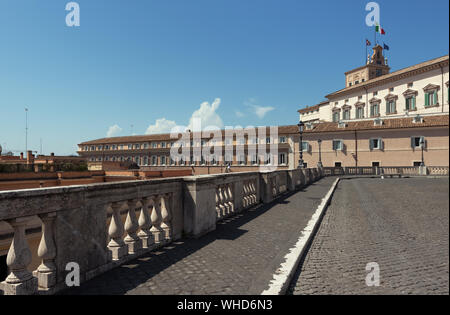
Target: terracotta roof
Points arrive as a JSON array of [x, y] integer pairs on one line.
[[391, 123], [312, 108], [394, 75]]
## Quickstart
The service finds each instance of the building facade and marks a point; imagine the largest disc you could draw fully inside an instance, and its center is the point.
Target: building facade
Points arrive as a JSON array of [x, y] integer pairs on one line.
[[378, 119]]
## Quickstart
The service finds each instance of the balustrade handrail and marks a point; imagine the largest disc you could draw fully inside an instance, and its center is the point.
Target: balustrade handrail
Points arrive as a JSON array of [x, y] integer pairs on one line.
[[103, 225]]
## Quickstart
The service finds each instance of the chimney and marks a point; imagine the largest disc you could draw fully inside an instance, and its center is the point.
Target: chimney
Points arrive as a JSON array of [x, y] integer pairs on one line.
[[52, 154], [30, 157], [21, 155]]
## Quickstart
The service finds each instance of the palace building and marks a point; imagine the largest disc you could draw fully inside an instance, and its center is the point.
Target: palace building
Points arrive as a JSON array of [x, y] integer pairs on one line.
[[380, 118]]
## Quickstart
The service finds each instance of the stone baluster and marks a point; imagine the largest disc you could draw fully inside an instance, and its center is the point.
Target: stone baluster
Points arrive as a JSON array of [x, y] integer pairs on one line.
[[245, 188], [116, 245], [20, 281], [145, 224], [131, 227], [230, 198], [223, 209], [166, 217], [218, 203], [156, 220], [46, 272], [226, 201]]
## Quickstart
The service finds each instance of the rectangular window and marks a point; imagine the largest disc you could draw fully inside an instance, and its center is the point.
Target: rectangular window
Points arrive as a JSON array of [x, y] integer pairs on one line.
[[268, 140], [163, 144], [337, 164], [282, 139], [254, 159], [346, 114], [411, 103], [391, 107], [337, 145], [431, 98], [375, 164], [416, 142], [282, 160], [163, 160], [417, 163], [242, 159], [336, 117], [154, 160], [360, 112], [374, 110], [375, 144], [154, 145], [305, 146]]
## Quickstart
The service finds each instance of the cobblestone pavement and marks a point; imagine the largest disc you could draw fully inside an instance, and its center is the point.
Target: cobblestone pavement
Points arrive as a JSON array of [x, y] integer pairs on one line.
[[239, 257], [401, 224]]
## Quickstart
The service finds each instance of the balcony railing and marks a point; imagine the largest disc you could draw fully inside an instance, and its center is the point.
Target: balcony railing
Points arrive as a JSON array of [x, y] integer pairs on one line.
[[100, 226]]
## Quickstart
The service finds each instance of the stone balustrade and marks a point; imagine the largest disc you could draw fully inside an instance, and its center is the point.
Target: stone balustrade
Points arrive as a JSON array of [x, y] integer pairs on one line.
[[101, 226], [387, 170]]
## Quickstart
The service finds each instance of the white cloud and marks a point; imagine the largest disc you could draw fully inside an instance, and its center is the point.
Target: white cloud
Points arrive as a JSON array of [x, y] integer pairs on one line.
[[113, 131], [207, 115], [258, 110], [261, 111], [161, 125]]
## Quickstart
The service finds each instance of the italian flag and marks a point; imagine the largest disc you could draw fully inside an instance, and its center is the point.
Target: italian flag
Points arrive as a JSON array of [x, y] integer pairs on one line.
[[379, 29]]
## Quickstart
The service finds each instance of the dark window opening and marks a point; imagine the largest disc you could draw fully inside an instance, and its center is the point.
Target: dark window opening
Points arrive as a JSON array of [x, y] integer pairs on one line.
[[3, 268], [375, 164], [417, 163], [305, 165], [337, 164]]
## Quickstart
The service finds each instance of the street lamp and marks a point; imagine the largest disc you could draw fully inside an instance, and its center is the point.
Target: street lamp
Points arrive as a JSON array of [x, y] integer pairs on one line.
[[422, 144], [319, 165], [301, 127]]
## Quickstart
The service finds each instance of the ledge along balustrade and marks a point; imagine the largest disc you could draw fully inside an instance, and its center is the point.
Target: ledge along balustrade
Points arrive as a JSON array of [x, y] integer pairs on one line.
[[101, 226]]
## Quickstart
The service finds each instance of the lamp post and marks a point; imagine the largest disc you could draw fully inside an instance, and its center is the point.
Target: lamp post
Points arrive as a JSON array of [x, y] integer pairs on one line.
[[422, 144], [319, 165], [301, 127]]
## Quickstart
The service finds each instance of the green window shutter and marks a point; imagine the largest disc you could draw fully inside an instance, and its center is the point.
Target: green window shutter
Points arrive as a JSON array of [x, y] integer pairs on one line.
[[435, 98], [427, 99], [413, 102]]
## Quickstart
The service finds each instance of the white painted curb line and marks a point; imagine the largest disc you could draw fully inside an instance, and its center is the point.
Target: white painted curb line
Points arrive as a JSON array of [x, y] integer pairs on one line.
[[283, 275]]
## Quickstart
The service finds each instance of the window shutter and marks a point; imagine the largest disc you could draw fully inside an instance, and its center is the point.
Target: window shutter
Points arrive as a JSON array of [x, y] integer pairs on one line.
[[381, 144], [370, 144], [435, 98], [422, 139], [427, 99], [412, 143]]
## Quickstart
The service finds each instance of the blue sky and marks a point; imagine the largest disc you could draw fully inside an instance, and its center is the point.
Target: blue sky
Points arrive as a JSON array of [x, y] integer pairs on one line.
[[139, 62]]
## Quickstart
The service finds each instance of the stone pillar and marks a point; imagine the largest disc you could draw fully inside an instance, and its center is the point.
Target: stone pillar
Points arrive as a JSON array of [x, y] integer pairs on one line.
[[116, 245], [131, 226], [266, 187], [46, 272], [423, 170], [200, 205], [20, 281]]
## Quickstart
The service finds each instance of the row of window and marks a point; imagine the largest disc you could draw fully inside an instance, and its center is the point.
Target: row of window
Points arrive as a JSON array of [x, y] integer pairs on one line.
[[431, 99], [154, 145], [163, 160], [378, 144]]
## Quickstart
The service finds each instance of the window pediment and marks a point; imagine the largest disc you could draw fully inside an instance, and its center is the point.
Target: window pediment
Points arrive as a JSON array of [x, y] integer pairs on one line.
[[410, 92], [374, 100], [431, 87], [360, 104], [336, 109], [346, 107], [390, 97]]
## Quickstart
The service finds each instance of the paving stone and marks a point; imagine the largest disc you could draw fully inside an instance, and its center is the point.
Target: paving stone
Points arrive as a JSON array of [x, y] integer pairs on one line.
[[401, 224], [234, 259]]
